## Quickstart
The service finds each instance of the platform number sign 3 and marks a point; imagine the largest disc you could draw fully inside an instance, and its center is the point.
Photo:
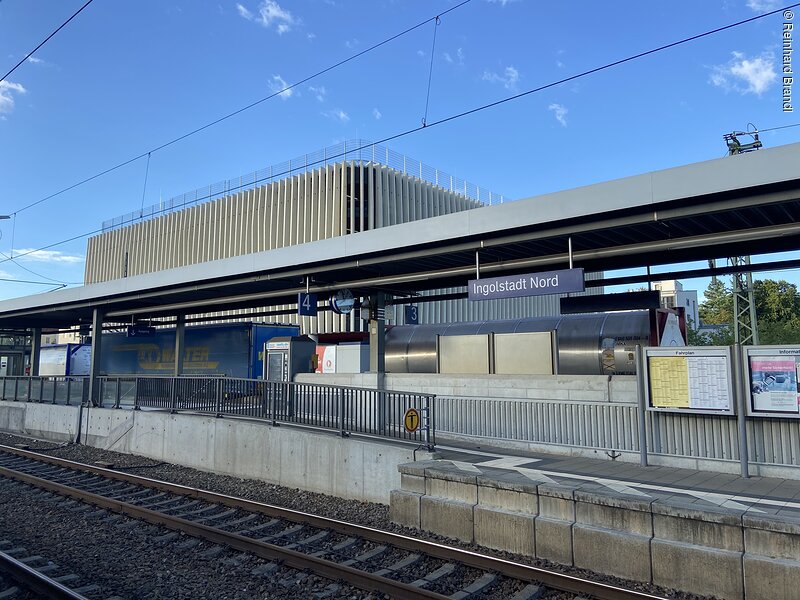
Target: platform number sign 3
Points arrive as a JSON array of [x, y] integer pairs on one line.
[[411, 420], [412, 315], [306, 304]]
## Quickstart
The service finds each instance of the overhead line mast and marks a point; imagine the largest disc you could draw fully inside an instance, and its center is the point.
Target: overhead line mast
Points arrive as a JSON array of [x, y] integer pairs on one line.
[[745, 325]]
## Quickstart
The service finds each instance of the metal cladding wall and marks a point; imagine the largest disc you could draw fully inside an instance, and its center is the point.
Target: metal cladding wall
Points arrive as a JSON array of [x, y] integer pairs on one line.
[[412, 348], [330, 201]]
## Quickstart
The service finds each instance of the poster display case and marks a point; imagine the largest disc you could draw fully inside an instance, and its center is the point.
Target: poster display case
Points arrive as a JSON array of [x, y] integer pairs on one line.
[[771, 376], [689, 380]]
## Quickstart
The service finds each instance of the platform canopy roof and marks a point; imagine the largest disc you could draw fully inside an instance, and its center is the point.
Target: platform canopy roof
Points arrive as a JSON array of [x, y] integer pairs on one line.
[[733, 206]]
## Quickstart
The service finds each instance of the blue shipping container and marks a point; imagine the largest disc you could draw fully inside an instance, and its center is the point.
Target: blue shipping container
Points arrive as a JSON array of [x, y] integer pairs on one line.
[[231, 350]]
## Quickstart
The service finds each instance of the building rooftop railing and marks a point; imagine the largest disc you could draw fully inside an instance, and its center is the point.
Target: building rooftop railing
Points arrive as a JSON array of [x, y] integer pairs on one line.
[[357, 150]]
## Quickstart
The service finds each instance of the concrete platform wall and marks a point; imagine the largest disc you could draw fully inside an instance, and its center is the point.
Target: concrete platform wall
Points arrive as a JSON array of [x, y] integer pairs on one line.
[[588, 415], [321, 462], [725, 553]]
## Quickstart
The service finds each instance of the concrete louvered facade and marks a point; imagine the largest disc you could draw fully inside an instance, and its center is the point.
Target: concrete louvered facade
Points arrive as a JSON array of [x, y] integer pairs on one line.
[[329, 201], [321, 203]]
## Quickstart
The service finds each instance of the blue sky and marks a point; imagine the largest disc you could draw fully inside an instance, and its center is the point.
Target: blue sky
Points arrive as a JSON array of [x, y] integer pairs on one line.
[[125, 77]]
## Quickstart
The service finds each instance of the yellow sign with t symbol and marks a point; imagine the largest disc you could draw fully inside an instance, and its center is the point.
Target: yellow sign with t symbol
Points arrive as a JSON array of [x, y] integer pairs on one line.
[[411, 420]]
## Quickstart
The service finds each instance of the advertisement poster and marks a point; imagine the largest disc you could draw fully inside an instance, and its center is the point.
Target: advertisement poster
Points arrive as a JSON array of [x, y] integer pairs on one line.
[[689, 382], [773, 383]]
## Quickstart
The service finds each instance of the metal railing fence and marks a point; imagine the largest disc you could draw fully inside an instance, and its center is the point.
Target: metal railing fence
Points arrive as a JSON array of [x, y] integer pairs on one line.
[[343, 409], [349, 150], [44, 389]]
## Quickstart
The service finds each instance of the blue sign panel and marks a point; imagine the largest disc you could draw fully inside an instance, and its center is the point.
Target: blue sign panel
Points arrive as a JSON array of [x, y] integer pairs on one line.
[[306, 304], [530, 284], [412, 315]]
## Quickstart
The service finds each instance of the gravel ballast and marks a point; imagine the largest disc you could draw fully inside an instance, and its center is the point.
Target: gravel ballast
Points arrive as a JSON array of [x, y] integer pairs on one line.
[[178, 575]]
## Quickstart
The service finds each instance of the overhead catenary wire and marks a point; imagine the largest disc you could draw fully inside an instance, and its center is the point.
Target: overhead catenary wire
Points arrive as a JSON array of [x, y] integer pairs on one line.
[[779, 127], [32, 282], [32, 272], [146, 172], [470, 111], [430, 70], [60, 27], [245, 108]]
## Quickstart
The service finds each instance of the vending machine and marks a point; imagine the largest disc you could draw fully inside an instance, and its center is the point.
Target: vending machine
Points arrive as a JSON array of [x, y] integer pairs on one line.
[[285, 357]]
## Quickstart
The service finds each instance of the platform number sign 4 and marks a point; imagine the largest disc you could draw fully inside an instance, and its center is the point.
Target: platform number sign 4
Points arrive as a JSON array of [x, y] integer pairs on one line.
[[412, 315], [306, 304]]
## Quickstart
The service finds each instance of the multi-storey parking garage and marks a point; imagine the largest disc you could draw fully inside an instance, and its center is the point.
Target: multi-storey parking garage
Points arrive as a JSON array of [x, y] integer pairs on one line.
[[304, 200]]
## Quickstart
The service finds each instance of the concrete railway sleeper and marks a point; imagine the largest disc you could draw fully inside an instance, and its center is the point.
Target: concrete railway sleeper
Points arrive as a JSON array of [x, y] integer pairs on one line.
[[22, 573], [396, 565]]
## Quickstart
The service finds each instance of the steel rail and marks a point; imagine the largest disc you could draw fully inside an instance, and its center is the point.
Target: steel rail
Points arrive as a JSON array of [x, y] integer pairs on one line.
[[35, 581], [291, 558], [552, 579]]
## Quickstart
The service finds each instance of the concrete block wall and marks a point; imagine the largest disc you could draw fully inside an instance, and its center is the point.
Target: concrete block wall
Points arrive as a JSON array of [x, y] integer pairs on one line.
[[321, 462], [583, 388], [726, 553]]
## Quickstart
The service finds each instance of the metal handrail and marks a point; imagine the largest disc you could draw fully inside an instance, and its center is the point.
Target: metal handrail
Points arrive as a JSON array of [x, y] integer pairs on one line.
[[56, 389], [347, 410]]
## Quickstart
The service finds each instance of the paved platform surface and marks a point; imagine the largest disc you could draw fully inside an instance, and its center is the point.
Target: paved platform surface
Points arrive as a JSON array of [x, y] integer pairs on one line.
[[754, 495]]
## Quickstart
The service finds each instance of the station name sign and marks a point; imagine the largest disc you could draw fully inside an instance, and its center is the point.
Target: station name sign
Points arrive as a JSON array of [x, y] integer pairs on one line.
[[531, 284]]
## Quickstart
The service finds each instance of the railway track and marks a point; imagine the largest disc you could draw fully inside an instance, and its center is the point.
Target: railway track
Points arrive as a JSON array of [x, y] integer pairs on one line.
[[22, 573], [370, 559]]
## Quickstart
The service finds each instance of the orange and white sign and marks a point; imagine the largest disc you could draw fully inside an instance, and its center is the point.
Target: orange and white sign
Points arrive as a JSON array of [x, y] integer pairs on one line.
[[326, 362]]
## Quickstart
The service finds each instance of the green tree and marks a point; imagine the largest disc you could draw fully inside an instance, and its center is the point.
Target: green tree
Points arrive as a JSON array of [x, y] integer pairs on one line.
[[717, 308], [777, 313], [779, 332], [776, 301]]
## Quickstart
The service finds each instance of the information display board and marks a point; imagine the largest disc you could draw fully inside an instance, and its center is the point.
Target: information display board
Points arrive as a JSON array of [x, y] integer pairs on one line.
[[771, 381], [689, 380]]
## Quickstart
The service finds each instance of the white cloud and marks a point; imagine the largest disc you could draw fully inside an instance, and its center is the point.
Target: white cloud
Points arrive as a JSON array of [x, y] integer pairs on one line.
[[244, 13], [352, 44], [745, 75], [46, 256], [35, 61], [459, 57], [420, 53], [501, 2], [560, 111], [509, 78], [6, 97], [337, 115], [276, 84], [763, 5], [377, 114], [320, 92], [270, 14], [311, 35]]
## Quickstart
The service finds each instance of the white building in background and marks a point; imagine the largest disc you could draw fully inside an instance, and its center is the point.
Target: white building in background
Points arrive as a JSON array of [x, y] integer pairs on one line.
[[64, 337], [674, 296]]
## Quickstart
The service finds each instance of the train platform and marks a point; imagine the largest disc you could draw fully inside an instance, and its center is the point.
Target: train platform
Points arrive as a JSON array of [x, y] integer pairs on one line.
[[702, 532], [705, 489]]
